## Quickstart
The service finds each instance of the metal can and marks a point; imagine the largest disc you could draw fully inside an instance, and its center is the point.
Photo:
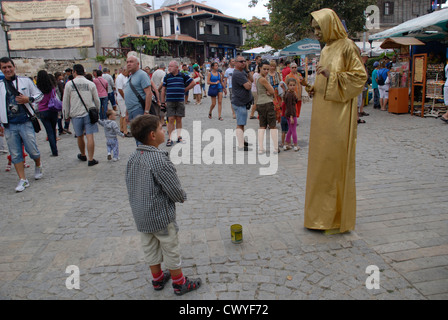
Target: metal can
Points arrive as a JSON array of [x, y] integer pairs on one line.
[[236, 232]]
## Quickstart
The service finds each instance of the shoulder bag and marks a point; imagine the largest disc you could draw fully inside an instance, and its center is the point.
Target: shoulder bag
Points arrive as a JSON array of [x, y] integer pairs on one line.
[[33, 118], [93, 112], [54, 104]]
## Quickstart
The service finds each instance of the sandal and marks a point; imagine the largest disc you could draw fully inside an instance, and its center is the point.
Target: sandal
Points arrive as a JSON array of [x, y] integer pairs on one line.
[[159, 285], [188, 286], [180, 140], [209, 115], [220, 119], [361, 121], [169, 143], [362, 114]]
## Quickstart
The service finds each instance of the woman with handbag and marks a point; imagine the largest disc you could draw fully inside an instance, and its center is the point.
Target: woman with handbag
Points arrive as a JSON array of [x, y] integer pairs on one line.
[[49, 108], [215, 80], [197, 78]]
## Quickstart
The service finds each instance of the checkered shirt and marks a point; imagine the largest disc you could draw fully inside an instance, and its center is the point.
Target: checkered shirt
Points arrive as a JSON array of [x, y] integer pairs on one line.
[[153, 189]]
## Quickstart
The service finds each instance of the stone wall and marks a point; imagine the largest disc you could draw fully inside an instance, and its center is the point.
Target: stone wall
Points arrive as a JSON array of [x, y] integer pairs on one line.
[[30, 67]]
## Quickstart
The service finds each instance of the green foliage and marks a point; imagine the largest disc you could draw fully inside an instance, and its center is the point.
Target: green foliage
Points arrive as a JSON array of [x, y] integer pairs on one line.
[[100, 58], [147, 45], [290, 20]]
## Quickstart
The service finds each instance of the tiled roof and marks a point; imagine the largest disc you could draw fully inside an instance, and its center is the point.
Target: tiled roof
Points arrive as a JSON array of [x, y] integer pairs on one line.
[[194, 3], [203, 12], [164, 9], [174, 37]]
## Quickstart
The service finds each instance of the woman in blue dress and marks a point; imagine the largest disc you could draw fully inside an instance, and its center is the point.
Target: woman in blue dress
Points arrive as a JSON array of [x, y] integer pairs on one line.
[[215, 80]]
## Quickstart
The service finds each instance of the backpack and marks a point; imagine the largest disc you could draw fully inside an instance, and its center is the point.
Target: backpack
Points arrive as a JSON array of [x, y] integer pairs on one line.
[[379, 79]]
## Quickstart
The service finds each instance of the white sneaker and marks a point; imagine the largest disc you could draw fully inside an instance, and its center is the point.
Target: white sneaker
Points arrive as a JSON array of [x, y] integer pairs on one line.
[[296, 148], [38, 173], [115, 159], [22, 185]]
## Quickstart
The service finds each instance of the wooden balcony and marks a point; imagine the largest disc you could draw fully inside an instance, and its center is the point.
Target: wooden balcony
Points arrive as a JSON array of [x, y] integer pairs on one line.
[[112, 52]]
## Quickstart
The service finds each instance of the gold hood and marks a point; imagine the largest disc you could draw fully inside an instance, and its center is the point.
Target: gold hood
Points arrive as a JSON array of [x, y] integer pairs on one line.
[[330, 24]]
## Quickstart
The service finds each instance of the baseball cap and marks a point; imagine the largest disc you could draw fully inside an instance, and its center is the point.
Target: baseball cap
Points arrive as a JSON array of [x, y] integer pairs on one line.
[[376, 64]]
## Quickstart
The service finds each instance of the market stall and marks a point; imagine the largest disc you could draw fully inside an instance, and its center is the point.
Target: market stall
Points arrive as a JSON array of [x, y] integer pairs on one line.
[[399, 74]]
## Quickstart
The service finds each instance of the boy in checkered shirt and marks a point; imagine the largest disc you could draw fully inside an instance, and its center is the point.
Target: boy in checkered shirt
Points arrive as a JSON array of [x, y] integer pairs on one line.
[[154, 188]]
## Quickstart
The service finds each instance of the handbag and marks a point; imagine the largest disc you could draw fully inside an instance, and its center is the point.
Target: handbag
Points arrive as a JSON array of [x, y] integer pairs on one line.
[[93, 112], [33, 118], [54, 104]]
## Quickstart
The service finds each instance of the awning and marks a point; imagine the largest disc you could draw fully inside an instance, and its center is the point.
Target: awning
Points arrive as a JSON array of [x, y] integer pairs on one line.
[[431, 26], [259, 50], [391, 43], [302, 47]]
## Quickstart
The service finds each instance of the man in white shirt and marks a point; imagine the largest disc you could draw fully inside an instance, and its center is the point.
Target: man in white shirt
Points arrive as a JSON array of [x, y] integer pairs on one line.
[[157, 78], [79, 96], [228, 80], [120, 83]]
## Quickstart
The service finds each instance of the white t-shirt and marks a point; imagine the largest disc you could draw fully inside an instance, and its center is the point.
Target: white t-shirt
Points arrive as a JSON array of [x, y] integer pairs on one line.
[[228, 75], [120, 83], [157, 77]]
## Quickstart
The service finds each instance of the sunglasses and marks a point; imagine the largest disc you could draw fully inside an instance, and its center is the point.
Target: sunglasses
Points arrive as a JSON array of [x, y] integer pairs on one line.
[[240, 61]]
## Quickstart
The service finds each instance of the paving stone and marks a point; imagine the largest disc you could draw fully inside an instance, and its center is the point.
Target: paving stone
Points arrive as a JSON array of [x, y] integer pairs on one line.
[[402, 196]]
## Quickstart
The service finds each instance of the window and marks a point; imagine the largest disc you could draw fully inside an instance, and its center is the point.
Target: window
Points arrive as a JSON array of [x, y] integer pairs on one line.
[[172, 23], [237, 32], [226, 29], [208, 29], [158, 26], [146, 28], [388, 8]]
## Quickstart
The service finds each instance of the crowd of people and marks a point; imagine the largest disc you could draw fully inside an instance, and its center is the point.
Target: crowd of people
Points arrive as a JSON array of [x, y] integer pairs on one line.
[[63, 102]]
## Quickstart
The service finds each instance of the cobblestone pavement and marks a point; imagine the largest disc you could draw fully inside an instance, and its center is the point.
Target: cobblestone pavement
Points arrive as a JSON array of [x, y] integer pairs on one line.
[[80, 215]]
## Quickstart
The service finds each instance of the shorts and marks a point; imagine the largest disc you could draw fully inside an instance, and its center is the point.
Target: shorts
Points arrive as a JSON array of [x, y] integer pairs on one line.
[[284, 124], [18, 134], [175, 109], [162, 246], [266, 115], [82, 125], [384, 92], [122, 108], [241, 115]]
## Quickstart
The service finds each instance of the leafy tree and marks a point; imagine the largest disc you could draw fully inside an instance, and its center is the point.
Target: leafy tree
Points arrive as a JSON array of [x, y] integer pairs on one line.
[[290, 20], [259, 34]]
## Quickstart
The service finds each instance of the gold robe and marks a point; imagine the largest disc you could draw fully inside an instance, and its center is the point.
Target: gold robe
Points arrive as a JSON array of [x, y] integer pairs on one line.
[[330, 200]]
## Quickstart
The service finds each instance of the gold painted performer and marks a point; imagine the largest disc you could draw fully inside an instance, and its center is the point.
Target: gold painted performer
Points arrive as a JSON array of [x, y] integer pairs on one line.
[[330, 201]]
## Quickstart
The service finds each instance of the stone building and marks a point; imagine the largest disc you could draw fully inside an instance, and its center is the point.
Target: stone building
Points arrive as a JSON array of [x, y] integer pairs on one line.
[[94, 25]]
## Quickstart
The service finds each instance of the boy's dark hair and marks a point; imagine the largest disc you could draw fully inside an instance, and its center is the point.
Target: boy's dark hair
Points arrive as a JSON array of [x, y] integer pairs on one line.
[[79, 69], [99, 73], [6, 60], [109, 113], [143, 125], [291, 80]]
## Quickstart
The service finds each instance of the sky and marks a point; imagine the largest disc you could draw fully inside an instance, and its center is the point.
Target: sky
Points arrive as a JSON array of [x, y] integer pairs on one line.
[[234, 8]]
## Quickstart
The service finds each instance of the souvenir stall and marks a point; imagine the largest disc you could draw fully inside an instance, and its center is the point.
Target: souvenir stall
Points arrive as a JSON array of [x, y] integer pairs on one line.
[[427, 63], [400, 72]]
